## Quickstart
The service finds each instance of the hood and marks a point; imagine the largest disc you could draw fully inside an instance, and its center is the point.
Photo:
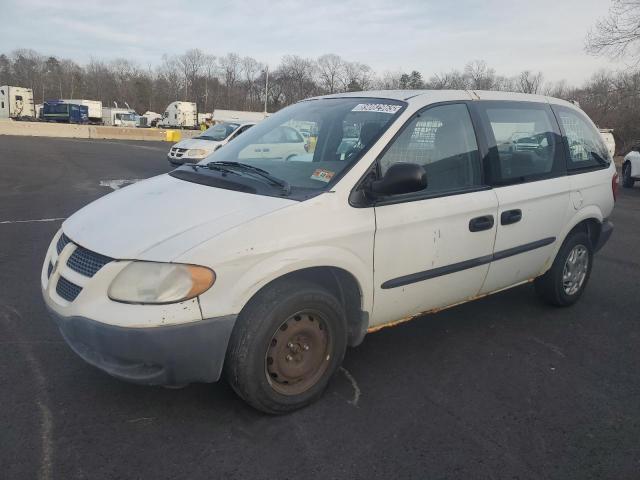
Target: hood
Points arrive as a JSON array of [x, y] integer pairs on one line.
[[197, 143], [160, 218]]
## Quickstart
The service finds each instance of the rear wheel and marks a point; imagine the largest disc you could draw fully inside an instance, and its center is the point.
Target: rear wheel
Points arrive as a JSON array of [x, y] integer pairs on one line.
[[286, 345], [567, 278], [627, 179]]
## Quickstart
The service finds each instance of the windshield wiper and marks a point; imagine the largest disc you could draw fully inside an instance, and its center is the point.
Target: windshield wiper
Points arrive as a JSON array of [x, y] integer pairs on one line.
[[208, 166], [286, 188]]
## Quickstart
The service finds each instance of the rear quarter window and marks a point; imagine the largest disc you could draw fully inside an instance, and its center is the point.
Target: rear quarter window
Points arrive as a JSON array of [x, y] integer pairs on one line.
[[585, 147]]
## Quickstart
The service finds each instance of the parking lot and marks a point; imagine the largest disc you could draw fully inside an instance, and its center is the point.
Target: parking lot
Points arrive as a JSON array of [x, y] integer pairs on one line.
[[505, 387]]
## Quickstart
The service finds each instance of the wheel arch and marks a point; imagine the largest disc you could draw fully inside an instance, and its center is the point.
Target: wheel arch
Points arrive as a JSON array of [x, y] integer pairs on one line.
[[342, 284], [634, 161]]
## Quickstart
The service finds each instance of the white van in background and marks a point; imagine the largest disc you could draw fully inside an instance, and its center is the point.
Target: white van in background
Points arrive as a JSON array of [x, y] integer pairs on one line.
[[194, 149]]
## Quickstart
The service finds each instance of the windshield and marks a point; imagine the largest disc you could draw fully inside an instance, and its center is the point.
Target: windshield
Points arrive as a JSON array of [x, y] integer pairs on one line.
[[339, 131], [219, 132]]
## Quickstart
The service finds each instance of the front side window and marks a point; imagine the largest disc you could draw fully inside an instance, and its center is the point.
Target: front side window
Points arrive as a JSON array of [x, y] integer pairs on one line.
[[340, 131], [586, 147], [525, 142], [442, 140]]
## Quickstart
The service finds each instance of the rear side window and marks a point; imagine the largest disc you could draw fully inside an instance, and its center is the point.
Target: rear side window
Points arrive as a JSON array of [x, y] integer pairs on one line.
[[524, 142], [586, 148], [443, 141]]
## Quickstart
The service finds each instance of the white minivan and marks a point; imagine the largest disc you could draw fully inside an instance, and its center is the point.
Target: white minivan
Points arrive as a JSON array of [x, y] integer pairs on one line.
[[267, 268], [196, 148]]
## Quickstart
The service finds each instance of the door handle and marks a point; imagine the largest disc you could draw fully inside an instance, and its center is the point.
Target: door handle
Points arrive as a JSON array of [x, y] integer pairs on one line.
[[481, 223], [511, 216]]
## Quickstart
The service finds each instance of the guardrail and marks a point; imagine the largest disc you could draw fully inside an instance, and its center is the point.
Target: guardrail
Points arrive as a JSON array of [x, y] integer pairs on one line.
[[65, 130]]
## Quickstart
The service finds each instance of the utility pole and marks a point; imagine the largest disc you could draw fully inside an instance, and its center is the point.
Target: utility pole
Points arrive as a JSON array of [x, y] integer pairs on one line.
[[266, 88]]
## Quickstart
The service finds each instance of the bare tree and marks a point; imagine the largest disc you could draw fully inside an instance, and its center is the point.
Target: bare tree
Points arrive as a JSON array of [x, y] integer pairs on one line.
[[479, 76], [191, 63], [330, 68], [617, 34], [528, 82], [453, 80]]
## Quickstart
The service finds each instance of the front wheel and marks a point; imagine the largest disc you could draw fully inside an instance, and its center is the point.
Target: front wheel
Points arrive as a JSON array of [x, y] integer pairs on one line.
[[567, 278], [627, 179], [286, 345]]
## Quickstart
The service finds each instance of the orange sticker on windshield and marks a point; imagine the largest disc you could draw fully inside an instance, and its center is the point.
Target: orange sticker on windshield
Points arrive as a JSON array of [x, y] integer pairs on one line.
[[322, 175]]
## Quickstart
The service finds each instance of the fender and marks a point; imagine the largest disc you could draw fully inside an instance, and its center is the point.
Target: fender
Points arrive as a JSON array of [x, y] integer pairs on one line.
[[589, 212], [278, 265]]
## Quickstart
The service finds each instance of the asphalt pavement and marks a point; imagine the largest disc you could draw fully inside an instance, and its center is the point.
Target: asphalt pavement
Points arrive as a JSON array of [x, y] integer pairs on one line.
[[504, 387]]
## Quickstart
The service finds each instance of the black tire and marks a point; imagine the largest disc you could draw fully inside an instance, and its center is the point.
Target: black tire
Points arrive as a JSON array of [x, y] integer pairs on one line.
[[627, 180], [551, 286], [252, 346]]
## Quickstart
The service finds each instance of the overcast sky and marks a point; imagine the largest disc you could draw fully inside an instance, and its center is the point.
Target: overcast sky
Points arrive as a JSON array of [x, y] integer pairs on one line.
[[427, 35]]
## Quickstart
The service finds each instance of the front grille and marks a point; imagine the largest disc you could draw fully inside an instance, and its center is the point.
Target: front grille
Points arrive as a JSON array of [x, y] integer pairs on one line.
[[87, 262], [178, 152], [62, 242], [83, 261], [67, 290]]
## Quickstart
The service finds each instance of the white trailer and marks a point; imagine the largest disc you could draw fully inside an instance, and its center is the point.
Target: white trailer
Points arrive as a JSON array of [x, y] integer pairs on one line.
[[609, 140], [237, 116], [119, 117], [180, 115], [94, 108], [16, 102]]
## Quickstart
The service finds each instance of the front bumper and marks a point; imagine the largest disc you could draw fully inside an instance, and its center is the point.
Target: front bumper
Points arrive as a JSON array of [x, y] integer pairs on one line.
[[167, 355], [605, 234]]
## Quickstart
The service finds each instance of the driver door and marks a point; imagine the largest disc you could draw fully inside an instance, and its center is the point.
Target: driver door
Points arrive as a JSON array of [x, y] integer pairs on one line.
[[433, 247]]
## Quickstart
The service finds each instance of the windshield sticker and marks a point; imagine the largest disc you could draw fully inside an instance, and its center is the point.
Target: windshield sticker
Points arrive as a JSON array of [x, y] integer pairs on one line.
[[377, 108], [322, 175]]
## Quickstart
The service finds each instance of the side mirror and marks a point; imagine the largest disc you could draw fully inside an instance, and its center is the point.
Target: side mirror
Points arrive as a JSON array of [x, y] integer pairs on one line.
[[401, 178]]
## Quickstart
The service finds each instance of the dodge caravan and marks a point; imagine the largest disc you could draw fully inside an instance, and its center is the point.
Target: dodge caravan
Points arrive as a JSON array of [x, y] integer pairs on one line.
[[265, 269]]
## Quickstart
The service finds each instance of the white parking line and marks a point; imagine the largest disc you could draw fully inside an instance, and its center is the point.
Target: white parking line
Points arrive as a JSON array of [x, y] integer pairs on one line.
[[354, 384], [33, 221]]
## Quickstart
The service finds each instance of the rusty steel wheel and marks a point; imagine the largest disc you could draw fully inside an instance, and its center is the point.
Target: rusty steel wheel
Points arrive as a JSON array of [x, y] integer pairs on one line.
[[298, 353]]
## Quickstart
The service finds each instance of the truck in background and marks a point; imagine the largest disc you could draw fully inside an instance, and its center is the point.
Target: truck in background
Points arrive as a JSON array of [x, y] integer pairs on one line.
[[609, 140], [61, 112], [94, 108], [16, 103], [238, 116], [119, 117], [149, 119], [180, 115]]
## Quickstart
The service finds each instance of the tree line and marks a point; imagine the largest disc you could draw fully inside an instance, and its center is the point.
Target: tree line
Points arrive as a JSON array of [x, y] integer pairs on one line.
[[231, 81]]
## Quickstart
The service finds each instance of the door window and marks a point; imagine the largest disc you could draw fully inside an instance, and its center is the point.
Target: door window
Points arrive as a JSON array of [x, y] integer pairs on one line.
[[442, 140], [586, 147], [524, 144]]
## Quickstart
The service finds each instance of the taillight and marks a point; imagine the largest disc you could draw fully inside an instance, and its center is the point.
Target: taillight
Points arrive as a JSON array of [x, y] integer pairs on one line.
[[614, 186]]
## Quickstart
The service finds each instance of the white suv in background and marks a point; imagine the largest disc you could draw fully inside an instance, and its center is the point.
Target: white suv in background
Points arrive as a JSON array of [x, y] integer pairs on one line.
[[195, 149], [267, 270], [631, 168]]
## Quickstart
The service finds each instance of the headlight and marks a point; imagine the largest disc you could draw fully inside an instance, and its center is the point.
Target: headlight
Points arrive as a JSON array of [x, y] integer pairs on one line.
[[196, 153], [151, 282]]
